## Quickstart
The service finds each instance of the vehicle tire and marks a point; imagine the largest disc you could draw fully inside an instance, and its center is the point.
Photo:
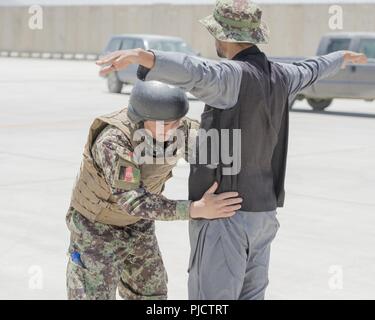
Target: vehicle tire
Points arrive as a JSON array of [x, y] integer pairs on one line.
[[319, 104], [113, 83]]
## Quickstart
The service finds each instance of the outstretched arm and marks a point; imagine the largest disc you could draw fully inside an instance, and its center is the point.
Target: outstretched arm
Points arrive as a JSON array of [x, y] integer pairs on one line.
[[215, 83], [218, 83], [307, 72]]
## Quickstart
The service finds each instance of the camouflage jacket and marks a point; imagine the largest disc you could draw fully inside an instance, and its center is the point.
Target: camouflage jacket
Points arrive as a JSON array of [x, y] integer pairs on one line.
[[108, 151]]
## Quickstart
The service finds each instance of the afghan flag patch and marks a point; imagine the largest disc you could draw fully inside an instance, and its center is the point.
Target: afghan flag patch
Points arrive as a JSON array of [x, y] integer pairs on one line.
[[130, 174], [127, 174]]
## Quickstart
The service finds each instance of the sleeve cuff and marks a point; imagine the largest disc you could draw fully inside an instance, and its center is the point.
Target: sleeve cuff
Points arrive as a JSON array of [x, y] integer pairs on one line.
[[342, 58], [143, 72], [183, 210], [338, 57]]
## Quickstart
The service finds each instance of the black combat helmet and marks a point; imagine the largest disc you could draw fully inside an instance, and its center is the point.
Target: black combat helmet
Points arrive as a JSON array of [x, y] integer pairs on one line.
[[156, 101]]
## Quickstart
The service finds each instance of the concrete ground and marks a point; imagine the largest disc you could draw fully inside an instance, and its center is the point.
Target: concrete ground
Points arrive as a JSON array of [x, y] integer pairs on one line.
[[325, 246]]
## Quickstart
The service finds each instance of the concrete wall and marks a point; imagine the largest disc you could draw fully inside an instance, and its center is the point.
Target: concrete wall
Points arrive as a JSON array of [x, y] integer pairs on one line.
[[295, 29]]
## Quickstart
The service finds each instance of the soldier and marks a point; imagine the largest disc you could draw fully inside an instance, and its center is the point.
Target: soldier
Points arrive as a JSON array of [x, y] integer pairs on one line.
[[116, 199]]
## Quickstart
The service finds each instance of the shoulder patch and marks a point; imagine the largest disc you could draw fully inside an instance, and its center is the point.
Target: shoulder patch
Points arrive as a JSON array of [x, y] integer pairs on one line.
[[127, 174]]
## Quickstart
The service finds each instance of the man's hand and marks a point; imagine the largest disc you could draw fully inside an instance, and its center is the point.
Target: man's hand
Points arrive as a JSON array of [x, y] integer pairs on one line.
[[353, 57], [121, 59], [214, 206]]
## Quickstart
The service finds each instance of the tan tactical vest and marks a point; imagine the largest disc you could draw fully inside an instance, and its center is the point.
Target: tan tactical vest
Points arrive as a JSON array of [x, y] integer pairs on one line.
[[92, 195]]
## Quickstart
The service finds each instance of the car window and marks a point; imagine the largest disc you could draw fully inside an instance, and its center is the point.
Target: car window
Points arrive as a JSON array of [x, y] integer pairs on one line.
[[176, 46], [184, 47], [367, 46], [114, 45], [338, 44], [127, 44], [139, 44], [155, 45]]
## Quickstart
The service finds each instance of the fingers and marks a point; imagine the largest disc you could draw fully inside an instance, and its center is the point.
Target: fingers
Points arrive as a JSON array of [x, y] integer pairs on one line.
[[229, 209], [107, 70], [108, 59], [212, 189], [116, 65], [358, 58], [362, 59], [354, 57], [121, 63], [230, 201], [226, 195]]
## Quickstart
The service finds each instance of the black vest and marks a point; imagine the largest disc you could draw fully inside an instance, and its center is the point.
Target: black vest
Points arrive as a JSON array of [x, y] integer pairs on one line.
[[261, 114]]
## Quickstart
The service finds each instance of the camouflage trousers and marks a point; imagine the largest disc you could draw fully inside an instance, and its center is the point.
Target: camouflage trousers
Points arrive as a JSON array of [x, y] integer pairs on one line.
[[103, 258]]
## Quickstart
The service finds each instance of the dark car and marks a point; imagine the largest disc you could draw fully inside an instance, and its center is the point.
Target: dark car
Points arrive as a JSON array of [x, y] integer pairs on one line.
[[116, 80]]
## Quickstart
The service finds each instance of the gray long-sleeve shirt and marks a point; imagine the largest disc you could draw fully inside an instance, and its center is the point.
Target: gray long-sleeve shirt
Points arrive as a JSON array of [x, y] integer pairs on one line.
[[218, 83]]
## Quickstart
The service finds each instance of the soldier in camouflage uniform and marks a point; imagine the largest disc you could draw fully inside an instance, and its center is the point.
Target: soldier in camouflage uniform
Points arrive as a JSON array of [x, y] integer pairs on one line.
[[116, 200]]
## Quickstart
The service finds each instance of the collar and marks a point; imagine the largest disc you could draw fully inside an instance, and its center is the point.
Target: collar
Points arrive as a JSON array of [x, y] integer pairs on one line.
[[253, 50]]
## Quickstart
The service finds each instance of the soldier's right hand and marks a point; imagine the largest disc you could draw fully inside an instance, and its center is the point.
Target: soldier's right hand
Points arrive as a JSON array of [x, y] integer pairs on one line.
[[215, 206]]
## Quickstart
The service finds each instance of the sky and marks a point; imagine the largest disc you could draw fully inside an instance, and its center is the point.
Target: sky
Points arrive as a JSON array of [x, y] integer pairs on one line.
[[109, 2]]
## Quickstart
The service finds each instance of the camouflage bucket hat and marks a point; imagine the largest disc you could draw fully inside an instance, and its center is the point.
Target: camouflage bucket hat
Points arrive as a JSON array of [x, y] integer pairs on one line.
[[237, 21]]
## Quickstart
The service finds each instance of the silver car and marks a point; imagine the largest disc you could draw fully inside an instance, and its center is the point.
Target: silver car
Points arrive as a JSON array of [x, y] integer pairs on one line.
[[116, 80], [356, 81]]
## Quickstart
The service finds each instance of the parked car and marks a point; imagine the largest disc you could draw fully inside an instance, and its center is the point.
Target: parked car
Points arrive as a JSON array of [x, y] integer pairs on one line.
[[116, 80], [353, 82]]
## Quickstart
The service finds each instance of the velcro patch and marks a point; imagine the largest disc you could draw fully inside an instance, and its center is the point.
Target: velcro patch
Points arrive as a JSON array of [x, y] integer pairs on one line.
[[127, 175]]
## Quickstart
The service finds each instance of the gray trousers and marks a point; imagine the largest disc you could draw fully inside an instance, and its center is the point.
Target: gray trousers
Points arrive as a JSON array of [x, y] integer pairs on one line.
[[230, 257]]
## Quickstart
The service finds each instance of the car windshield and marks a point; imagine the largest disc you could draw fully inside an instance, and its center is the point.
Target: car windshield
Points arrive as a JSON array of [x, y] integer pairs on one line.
[[164, 45]]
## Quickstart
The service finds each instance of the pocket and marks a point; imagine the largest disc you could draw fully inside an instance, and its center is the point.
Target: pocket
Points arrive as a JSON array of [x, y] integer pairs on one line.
[[220, 270], [273, 216], [277, 222], [73, 223], [197, 229], [141, 229], [76, 281], [235, 261]]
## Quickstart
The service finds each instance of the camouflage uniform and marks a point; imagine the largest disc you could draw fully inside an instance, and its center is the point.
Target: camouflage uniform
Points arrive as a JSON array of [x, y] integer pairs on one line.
[[124, 257], [105, 257]]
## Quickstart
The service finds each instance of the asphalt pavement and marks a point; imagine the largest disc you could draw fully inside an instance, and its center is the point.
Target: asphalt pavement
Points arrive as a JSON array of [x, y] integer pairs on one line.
[[324, 248]]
